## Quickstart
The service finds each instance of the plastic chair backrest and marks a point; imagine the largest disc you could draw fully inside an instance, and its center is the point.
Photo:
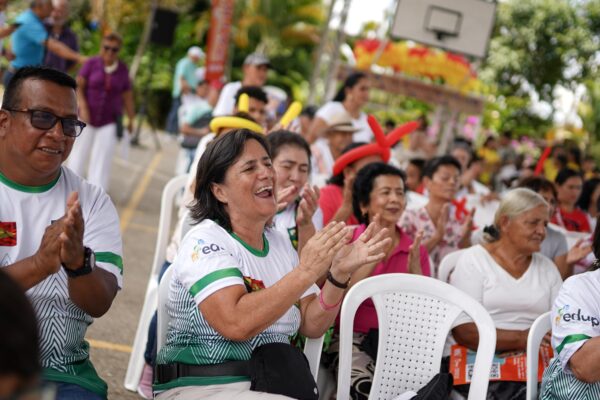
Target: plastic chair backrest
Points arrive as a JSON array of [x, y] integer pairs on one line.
[[538, 330], [415, 315], [448, 264], [313, 349], [162, 320], [136, 360]]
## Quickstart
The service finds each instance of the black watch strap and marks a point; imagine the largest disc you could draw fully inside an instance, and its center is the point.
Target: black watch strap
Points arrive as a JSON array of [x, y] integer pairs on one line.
[[335, 283], [87, 267]]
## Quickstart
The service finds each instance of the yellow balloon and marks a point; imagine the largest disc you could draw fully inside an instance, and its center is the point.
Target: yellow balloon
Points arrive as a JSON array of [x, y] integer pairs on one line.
[[219, 123], [244, 103], [292, 112]]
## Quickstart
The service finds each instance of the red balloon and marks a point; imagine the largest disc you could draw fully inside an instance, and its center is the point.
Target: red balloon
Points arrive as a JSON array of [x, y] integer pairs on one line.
[[381, 146]]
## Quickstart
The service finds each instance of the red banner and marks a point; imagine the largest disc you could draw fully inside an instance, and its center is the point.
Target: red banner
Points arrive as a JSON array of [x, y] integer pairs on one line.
[[218, 38]]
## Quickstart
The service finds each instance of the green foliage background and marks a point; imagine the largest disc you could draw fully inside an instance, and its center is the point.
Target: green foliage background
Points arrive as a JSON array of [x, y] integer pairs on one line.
[[536, 46]]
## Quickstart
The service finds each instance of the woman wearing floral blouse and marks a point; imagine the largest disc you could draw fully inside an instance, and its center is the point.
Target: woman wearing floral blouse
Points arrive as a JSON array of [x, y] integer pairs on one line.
[[443, 233]]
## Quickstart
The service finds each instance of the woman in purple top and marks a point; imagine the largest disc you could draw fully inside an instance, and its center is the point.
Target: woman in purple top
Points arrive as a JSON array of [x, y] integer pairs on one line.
[[378, 196], [103, 89]]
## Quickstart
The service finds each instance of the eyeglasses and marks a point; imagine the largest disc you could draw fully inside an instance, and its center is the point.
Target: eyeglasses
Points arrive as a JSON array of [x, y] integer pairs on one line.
[[45, 120], [110, 48]]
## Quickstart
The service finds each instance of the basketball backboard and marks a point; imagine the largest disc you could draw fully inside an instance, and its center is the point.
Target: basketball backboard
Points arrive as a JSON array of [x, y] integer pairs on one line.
[[461, 26]]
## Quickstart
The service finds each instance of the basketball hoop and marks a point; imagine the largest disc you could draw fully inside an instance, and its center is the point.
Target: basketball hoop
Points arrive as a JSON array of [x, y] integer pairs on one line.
[[459, 26]]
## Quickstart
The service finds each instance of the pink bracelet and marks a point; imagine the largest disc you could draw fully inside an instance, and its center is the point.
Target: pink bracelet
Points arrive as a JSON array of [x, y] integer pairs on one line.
[[326, 306]]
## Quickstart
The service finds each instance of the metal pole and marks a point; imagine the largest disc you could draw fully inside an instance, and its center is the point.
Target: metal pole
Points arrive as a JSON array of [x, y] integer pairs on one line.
[[143, 112]]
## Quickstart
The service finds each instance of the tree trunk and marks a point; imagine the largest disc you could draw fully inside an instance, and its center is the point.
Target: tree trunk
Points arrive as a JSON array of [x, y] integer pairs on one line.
[[335, 58], [137, 59], [319, 55]]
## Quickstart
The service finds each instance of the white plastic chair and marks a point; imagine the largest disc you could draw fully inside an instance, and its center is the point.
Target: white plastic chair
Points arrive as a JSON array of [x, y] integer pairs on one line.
[[136, 360], [448, 264], [538, 330], [415, 314], [162, 321]]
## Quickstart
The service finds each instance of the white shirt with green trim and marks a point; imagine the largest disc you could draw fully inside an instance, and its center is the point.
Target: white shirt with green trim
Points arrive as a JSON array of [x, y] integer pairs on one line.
[[285, 221], [575, 320], [25, 212], [209, 260]]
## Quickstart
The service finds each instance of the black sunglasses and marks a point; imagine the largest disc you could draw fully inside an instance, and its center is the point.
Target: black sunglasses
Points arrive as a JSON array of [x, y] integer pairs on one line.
[[110, 48], [45, 120]]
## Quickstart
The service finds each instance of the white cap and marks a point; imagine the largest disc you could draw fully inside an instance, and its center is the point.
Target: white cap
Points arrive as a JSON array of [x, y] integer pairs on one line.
[[341, 122], [195, 51], [257, 59]]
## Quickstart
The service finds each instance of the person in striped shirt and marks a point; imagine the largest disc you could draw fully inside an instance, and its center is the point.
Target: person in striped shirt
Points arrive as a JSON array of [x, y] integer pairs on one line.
[[238, 285], [574, 372]]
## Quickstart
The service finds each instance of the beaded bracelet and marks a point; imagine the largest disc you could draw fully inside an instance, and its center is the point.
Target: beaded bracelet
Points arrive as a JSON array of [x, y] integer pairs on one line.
[[326, 306]]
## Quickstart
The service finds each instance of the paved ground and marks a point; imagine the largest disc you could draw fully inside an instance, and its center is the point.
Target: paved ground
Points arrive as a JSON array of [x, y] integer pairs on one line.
[[136, 187]]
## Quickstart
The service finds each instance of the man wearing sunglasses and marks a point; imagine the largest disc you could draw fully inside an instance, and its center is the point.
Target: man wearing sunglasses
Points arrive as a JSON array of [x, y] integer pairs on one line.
[[59, 235]]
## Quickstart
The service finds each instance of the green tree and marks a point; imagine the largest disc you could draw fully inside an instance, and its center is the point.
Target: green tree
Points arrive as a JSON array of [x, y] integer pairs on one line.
[[287, 31], [537, 45]]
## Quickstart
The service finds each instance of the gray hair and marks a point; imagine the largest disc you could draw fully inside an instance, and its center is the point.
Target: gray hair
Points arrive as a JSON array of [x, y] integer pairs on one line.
[[514, 203]]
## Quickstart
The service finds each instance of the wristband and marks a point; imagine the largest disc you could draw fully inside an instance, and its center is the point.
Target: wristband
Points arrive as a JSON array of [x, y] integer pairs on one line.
[[89, 263], [335, 283], [327, 307]]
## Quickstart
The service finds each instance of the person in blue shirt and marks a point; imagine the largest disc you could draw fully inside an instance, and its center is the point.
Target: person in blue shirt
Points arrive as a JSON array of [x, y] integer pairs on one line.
[[184, 81], [30, 40]]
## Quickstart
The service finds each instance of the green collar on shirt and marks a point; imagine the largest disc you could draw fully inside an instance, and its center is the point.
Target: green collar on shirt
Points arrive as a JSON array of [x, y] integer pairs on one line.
[[251, 249], [29, 189]]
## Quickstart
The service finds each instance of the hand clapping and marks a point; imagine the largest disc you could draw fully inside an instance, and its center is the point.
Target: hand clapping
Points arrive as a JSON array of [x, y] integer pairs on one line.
[[62, 242], [369, 248]]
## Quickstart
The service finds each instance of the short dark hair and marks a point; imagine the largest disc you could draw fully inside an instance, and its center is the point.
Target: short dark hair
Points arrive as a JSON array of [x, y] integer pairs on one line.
[[351, 81], [283, 137], [538, 184], [219, 156], [419, 163], [309, 111], [565, 174], [19, 338], [113, 37], [338, 179], [363, 185], [12, 93], [254, 92], [474, 159], [585, 199], [434, 164]]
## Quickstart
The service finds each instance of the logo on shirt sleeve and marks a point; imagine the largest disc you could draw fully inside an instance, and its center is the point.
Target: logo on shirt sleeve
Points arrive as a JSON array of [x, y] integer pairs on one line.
[[203, 248], [8, 233], [253, 285], [564, 315]]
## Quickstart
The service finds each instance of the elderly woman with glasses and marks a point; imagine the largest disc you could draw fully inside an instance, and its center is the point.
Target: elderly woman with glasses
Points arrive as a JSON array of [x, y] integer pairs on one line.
[[103, 90]]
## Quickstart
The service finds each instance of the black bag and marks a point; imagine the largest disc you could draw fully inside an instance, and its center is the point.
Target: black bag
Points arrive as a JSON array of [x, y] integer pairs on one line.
[[438, 388], [370, 343], [280, 368]]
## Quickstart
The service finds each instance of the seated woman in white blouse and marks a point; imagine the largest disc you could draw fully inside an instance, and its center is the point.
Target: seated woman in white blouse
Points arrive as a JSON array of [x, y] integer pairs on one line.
[[509, 277]]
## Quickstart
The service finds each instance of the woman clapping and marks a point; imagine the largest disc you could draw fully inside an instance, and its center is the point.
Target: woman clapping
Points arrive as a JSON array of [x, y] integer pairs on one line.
[[238, 290]]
